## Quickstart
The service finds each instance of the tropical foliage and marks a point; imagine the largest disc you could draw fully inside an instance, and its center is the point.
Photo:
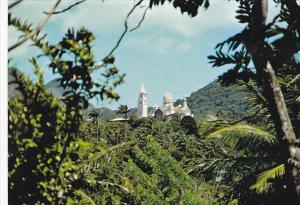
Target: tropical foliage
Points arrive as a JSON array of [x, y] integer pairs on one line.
[[264, 56], [43, 130], [56, 156]]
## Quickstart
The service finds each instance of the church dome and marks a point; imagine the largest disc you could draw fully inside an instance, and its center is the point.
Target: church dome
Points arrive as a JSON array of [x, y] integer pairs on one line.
[[168, 98]]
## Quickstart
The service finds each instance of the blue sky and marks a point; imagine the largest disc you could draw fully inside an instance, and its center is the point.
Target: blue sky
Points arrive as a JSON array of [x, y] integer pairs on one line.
[[167, 53]]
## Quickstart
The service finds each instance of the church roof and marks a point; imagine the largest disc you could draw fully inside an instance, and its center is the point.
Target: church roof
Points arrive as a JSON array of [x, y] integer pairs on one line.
[[162, 108], [119, 119]]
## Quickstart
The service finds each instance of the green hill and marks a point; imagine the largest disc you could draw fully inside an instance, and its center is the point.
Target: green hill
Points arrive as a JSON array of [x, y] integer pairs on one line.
[[215, 98]]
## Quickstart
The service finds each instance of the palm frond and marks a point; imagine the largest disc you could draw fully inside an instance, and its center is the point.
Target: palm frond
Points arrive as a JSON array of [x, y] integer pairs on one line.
[[261, 184], [240, 136], [85, 199], [92, 161], [95, 114], [229, 163]]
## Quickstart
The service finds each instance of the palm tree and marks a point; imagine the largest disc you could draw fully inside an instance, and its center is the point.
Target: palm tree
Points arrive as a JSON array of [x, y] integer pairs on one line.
[[124, 110], [239, 153], [94, 115]]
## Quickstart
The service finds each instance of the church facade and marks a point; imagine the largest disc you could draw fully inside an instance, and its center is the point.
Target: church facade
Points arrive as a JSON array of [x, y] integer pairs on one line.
[[166, 112]]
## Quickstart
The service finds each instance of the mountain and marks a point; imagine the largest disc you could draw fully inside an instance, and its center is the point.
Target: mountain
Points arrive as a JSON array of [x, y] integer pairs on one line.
[[214, 98], [106, 113], [208, 100], [55, 88], [58, 91]]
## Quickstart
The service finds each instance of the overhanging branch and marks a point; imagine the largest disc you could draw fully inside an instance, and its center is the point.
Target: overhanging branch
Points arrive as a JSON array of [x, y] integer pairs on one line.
[[36, 30], [125, 27], [66, 9], [13, 4], [109, 55], [141, 21]]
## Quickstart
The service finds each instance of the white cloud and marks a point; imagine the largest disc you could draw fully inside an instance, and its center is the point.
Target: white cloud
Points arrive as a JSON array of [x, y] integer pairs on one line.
[[109, 15], [158, 44], [220, 14], [154, 43], [164, 30], [98, 15], [108, 18], [184, 47]]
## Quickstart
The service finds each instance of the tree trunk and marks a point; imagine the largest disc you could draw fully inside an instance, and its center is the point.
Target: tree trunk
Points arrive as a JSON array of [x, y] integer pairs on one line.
[[267, 79], [97, 129]]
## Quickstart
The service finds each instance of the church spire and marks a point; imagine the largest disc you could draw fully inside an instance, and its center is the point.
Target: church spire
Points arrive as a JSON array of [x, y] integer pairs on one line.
[[185, 102], [142, 89], [142, 103]]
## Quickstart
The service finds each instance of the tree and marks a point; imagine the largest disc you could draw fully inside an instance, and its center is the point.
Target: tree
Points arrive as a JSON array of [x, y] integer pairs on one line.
[[44, 144], [95, 116], [271, 61], [124, 110], [238, 153], [189, 123], [73, 60], [138, 169]]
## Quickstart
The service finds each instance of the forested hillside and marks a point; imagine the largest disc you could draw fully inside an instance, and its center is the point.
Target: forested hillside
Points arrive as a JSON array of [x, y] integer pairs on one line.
[[141, 162], [151, 162], [215, 98]]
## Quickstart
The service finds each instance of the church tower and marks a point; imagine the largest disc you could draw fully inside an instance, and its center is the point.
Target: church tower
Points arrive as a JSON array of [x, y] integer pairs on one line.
[[142, 103], [185, 103]]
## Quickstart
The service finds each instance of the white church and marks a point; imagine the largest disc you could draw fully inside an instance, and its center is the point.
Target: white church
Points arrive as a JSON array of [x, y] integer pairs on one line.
[[166, 112]]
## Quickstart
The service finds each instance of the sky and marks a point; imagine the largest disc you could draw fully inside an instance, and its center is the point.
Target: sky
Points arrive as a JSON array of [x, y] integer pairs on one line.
[[167, 53]]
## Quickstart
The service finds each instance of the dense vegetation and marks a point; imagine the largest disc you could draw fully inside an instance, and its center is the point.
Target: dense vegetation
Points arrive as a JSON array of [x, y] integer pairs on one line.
[[133, 159], [136, 162], [151, 162], [56, 156], [264, 56]]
